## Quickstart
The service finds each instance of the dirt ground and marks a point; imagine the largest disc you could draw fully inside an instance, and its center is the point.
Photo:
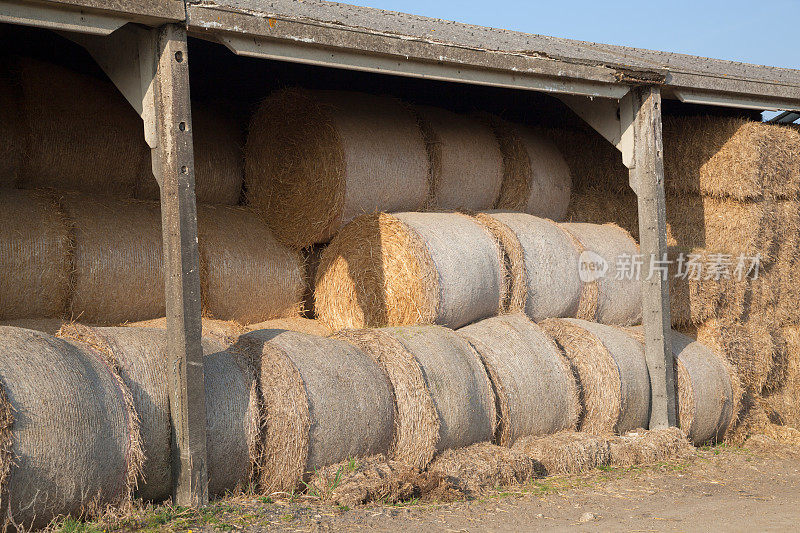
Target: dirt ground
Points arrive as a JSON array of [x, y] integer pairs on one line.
[[755, 487]]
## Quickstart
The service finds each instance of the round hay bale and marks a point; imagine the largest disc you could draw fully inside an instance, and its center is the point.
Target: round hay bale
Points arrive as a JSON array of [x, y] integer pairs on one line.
[[513, 254], [619, 295], [549, 274], [45, 325], [82, 133], [532, 381], [410, 268], [416, 422], [222, 331], [466, 165], [218, 159], [317, 159], [324, 401], [35, 250], [311, 259], [232, 413], [457, 382], [12, 127], [118, 260], [299, 324], [246, 275], [69, 441], [609, 365], [566, 452], [536, 178]]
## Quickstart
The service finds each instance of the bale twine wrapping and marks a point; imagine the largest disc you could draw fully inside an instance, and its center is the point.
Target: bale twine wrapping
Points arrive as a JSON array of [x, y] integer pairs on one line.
[[610, 368], [536, 178], [548, 276], [416, 422], [218, 159], [324, 401], [35, 250], [457, 382], [82, 134], [69, 440], [466, 165], [246, 275], [118, 260], [232, 415], [410, 268], [317, 159], [619, 301], [534, 388]]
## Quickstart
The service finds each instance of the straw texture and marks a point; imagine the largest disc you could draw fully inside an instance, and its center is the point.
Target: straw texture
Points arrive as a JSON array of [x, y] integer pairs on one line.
[[12, 127], [534, 388], [299, 324], [324, 401], [609, 366], [35, 250], [71, 435], [222, 331], [317, 159]]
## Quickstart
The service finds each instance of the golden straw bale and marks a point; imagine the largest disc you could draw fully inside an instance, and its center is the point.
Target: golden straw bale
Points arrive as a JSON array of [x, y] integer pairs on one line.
[[311, 258], [246, 275], [224, 331], [466, 165], [293, 323], [317, 159], [642, 447], [566, 452], [410, 268], [783, 397], [36, 245], [594, 162]]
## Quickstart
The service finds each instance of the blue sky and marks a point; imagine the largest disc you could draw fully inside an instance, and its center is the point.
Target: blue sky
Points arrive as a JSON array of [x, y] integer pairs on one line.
[[762, 32]]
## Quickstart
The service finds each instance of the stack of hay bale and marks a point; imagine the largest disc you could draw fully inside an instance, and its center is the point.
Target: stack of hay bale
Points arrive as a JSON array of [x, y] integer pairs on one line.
[[732, 190]]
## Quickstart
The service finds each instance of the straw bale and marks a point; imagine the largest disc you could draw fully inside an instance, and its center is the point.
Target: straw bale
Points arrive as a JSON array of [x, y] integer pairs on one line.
[[311, 259], [416, 422], [484, 466], [45, 325], [218, 159], [566, 452], [410, 268], [643, 447], [457, 383], [549, 271], [69, 440], [593, 162], [232, 414], [619, 296], [324, 401], [246, 275], [35, 250], [515, 283], [466, 165], [299, 324], [81, 132], [610, 368], [693, 298], [534, 388], [536, 177], [317, 159], [783, 397], [224, 331], [118, 260], [12, 127], [731, 157]]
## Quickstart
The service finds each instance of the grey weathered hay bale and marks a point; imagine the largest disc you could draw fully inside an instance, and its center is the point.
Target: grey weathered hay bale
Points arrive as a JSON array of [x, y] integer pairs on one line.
[[324, 401], [483, 466], [536, 178], [232, 413], [410, 268], [416, 422], [619, 301], [610, 368], [731, 157], [317, 159], [466, 165], [566, 452], [82, 133], [69, 439], [457, 382], [218, 159], [246, 275], [515, 287], [549, 275], [35, 249], [118, 260], [643, 447], [45, 325], [532, 381], [299, 324]]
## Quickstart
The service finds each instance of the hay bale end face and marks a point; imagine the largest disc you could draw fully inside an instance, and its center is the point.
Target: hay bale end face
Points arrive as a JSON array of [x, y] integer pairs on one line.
[[317, 159], [609, 366], [410, 268], [324, 401], [70, 443], [533, 383]]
